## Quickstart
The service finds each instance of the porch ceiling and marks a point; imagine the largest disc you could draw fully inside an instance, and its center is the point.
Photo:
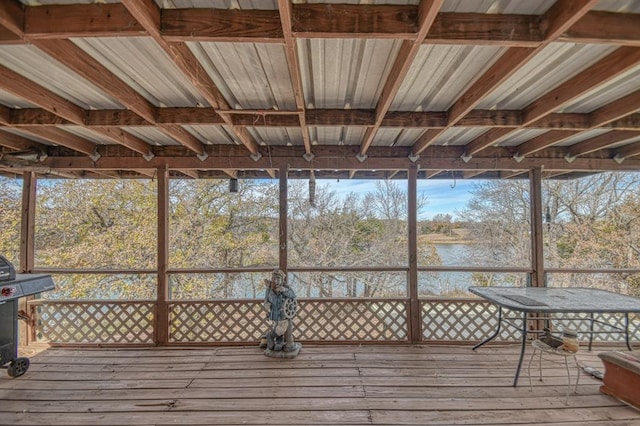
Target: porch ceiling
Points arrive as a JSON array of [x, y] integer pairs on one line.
[[350, 88]]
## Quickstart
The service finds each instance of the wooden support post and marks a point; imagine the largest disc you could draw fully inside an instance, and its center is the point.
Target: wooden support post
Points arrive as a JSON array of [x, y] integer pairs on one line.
[[537, 254], [284, 207], [415, 314], [27, 251], [161, 319], [537, 248], [27, 224]]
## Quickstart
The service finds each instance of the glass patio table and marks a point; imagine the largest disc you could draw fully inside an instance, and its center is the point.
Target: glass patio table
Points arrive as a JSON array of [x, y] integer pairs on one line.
[[538, 303]]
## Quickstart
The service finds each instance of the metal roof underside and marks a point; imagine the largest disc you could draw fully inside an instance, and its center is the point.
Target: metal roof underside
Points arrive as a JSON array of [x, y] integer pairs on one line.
[[208, 87]]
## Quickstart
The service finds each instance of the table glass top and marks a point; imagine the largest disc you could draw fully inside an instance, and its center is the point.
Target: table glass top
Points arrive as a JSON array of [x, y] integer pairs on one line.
[[545, 299]]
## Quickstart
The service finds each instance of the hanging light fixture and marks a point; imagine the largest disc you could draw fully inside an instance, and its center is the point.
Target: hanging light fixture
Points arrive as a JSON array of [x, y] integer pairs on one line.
[[233, 185]]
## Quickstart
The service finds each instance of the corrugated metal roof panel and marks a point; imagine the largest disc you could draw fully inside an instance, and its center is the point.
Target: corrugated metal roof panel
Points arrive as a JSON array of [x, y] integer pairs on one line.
[[283, 136], [151, 135], [17, 131], [619, 6], [393, 136], [218, 4], [440, 74], [249, 75], [323, 135], [581, 137], [8, 100], [87, 134], [32, 63], [364, 2], [520, 136], [459, 135], [52, 2], [617, 88], [144, 66], [211, 135], [529, 7], [345, 73], [554, 65]]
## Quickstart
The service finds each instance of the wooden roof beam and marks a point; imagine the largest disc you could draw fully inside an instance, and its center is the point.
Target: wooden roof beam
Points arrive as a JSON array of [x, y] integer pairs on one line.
[[427, 12], [12, 17], [66, 139], [615, 110], [599, 73], [19, 143], [614, 64], [432, 120], [558, 18], [600, 142], [26, 89], [315, 21], [605, 27], [542, 141], [147, 13], [293, 62]]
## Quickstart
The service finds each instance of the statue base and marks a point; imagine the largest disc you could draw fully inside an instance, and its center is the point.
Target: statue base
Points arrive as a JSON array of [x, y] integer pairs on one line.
[[284, 354]]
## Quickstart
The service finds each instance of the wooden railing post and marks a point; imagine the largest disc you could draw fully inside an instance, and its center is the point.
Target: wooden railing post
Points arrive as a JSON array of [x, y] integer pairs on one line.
[[415, 314], [27, 246], [537, 240], [161, 317], [283, 212]]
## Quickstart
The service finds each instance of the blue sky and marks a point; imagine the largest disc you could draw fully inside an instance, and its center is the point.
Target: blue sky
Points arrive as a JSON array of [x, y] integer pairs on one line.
[[444, 196]]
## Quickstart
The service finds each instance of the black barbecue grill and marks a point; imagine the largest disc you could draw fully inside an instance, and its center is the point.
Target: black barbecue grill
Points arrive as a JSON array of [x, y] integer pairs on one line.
[[12, 287]]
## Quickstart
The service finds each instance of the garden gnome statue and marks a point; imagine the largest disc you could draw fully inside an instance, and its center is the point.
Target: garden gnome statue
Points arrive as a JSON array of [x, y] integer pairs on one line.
[[280, 300]]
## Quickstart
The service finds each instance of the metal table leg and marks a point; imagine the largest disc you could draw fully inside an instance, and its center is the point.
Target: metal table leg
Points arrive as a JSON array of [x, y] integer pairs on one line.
[[590, 331], [495, 334], [626, 331], [522, 348]]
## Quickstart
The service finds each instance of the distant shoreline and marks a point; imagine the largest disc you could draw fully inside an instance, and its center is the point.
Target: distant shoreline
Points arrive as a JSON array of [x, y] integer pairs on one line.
[[443, 239]]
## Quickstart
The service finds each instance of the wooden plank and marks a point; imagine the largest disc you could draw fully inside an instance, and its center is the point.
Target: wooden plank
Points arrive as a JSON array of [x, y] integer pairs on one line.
[[22, 87], [179, 418], [601, 141], [300, 404], [221, 25], [12, 17], [60, 137], [80, 20], [293, 63], [605, 27], [485, 29], [543, 141], [506, 416], [599, 73]]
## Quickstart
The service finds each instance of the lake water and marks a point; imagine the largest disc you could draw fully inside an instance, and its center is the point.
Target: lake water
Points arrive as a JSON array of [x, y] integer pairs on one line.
[[445, 282]]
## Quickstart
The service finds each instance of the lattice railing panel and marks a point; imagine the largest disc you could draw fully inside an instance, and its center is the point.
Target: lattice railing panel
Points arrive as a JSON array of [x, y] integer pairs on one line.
[[105, 322], [355, 320], [326, 320], [217, 321], [462, 320], [603, 332]]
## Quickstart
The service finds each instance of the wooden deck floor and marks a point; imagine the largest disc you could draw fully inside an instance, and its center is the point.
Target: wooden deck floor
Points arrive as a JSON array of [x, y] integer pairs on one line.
[[324, 385]]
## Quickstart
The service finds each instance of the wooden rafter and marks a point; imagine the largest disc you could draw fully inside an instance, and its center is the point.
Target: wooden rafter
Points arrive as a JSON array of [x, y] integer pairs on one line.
[[600, 142], [147, 13], [427, 13], [51, 27], [556, 20], [293, 61], [599, 73]]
